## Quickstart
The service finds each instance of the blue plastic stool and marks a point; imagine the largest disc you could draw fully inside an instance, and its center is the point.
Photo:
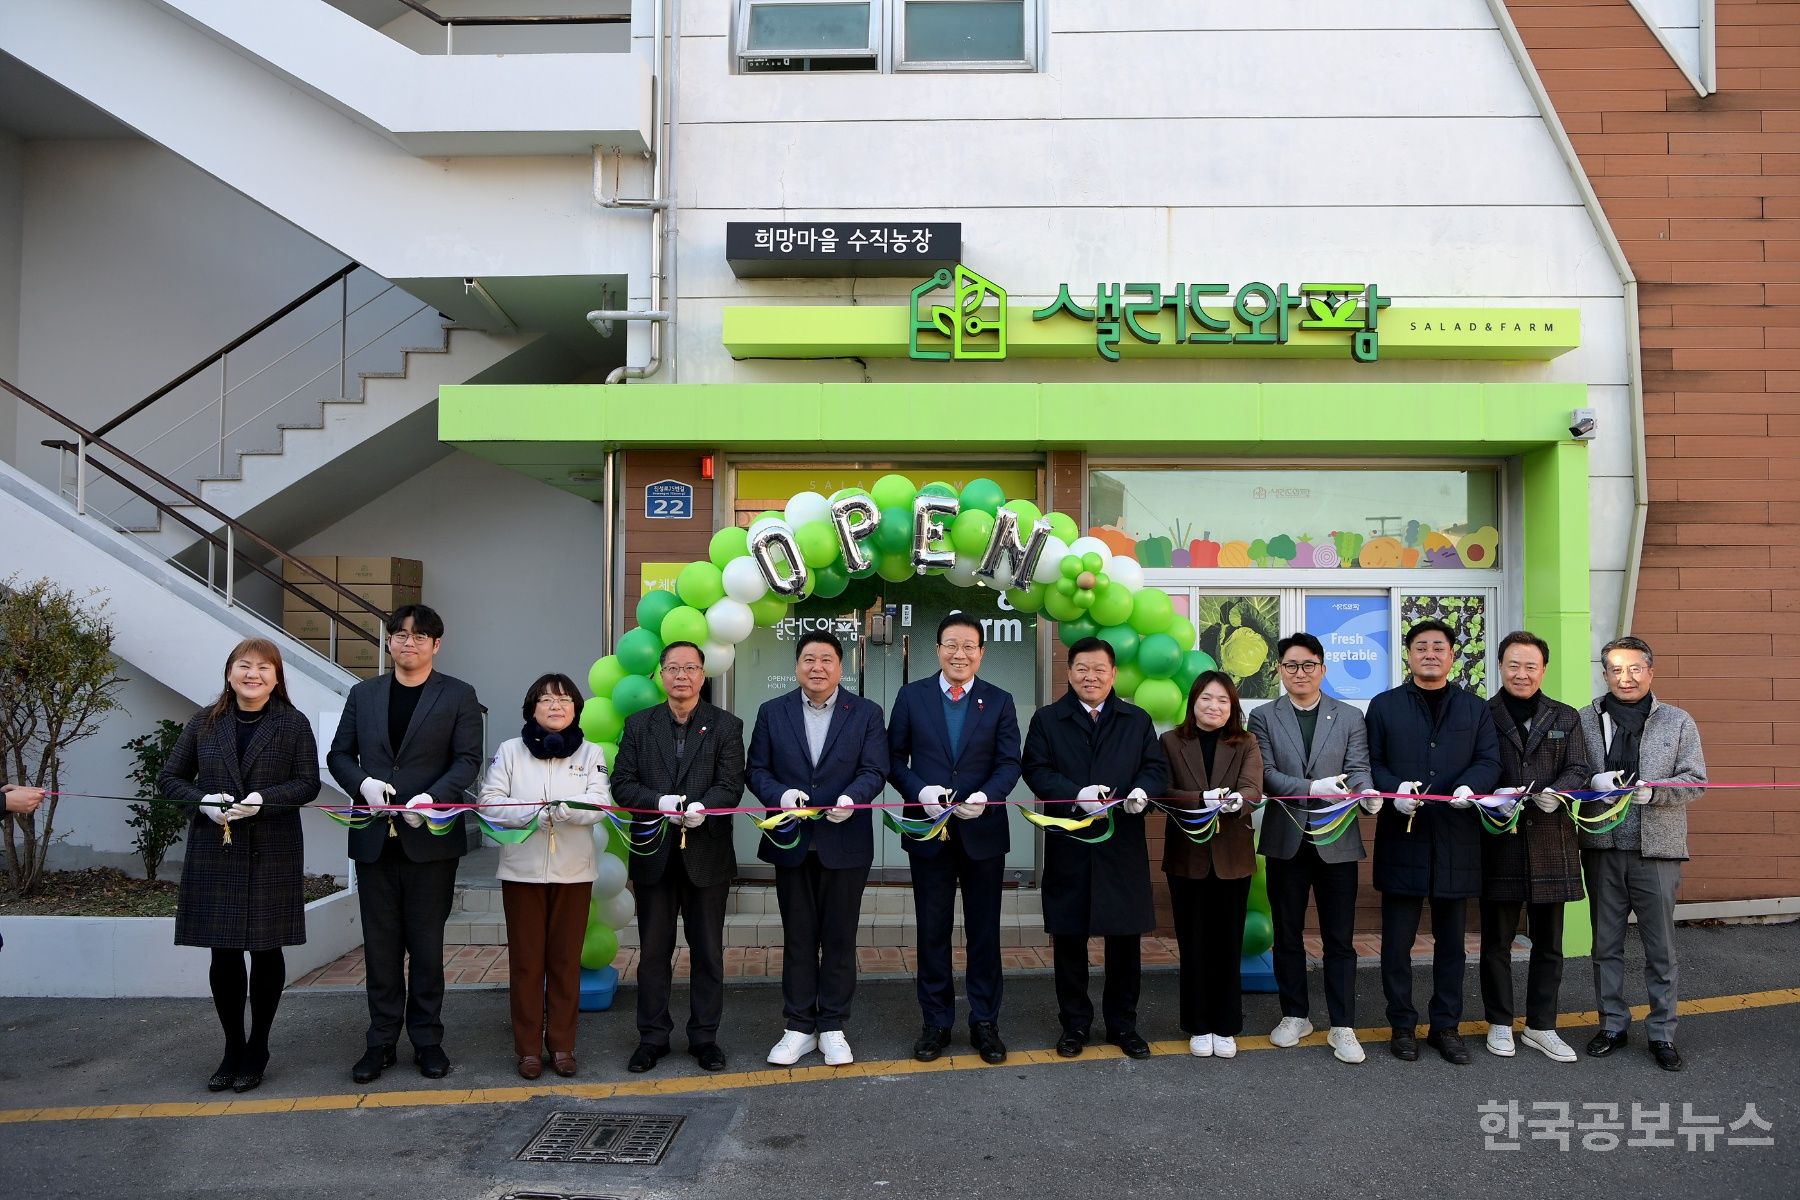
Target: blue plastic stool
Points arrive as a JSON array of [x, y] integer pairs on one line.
[[597, 988], [1259, 972]]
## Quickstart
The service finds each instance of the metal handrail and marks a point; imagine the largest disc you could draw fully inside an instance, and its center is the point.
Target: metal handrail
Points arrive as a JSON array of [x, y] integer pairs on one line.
[[599, 19], [342, 272]]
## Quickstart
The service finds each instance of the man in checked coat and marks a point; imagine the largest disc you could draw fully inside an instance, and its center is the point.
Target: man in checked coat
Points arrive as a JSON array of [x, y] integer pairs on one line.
[[679, 759]]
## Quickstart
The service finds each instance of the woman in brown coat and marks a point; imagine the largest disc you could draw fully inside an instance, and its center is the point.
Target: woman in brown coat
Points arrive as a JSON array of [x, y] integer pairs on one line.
[[1212, 758]]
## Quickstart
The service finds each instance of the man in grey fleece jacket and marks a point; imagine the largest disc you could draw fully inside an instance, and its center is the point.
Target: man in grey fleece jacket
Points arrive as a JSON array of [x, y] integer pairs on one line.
[[1635, 867]]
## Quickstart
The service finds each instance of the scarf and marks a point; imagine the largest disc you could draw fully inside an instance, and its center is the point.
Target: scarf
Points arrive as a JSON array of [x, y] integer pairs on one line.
[[1628, 730], [544, 744], [1522, 712]]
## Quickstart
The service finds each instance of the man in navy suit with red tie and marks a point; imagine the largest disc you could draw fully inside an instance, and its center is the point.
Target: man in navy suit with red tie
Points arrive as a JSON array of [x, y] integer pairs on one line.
[[953, 745]]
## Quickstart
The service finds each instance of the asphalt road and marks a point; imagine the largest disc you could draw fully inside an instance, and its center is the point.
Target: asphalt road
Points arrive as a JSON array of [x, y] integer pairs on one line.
[[1271, 1122]]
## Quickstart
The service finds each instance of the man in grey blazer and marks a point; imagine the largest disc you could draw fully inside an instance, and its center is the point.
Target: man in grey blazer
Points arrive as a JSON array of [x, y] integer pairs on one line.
[[411, 737], [1312, 745]]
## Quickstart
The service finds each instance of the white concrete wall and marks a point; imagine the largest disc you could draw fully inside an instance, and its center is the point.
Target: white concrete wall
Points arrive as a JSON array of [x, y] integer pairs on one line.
[[12, 248]]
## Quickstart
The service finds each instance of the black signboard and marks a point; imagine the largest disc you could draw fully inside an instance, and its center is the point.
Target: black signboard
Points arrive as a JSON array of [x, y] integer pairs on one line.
[[774, 249]]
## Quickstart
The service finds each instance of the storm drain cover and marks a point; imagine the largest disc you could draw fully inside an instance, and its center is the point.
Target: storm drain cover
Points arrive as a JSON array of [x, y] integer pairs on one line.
[[638, 1139]]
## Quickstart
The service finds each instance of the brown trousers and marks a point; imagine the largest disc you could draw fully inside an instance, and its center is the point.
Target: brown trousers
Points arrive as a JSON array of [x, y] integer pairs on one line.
[[545, 923]]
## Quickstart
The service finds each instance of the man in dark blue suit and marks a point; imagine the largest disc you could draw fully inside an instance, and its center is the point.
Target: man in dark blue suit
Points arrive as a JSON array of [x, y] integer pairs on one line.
[[954, 743], [818, 747]]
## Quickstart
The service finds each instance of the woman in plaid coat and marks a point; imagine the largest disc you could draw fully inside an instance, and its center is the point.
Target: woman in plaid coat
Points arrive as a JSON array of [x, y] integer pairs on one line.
[[248, 762]]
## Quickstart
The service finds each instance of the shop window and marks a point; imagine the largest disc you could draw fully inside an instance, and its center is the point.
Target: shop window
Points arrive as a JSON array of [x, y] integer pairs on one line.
[[1468, 616], [1299, 518], [1239, 633], [785, 36]]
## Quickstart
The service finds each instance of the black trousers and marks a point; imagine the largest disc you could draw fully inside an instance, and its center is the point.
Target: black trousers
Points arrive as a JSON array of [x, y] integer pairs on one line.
[[1209, 929], [702, 912], [1333, 888], [1399, 928], [819, 910], [935, 881], [1543, 978], [1119, 996], [404, 906]]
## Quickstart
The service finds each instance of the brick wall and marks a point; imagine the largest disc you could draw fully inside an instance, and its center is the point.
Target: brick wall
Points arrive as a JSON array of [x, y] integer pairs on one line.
[[1704, 194]]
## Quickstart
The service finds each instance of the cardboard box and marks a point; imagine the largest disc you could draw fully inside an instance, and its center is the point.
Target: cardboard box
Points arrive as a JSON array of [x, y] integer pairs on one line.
[[401, 572], [323, 593], [361, 620], [385, 596], [353, 652], [324, 564], [307, 624], [318, 646]]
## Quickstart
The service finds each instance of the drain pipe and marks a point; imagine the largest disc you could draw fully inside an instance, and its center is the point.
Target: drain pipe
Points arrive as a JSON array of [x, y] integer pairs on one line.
[[1634, 353], [664, 32]]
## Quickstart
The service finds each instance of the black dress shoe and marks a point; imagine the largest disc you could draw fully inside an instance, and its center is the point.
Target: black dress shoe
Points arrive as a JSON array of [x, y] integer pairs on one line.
[[1133, 1045], [1667, 1057], [645, 1057], [374, 1061], [1604, 1043], [227, 1071], [433, 1063], [985, 1037], [931, 1043], [1404, 1046], [709, 1056], [1449, 1045], [1070, 1044], [250, 1071]]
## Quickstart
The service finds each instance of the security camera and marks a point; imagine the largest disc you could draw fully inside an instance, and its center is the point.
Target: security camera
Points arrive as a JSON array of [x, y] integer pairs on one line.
[[1582, 425]]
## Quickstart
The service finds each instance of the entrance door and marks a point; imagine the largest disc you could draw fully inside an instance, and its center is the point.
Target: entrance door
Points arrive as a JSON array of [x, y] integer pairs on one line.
[[886, 645]]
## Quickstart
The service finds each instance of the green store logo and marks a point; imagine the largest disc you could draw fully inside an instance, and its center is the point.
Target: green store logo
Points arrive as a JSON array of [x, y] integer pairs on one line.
[[974, 334]]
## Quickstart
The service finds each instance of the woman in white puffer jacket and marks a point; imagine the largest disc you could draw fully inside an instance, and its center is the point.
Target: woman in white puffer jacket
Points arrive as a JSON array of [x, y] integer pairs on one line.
[[546, 879]]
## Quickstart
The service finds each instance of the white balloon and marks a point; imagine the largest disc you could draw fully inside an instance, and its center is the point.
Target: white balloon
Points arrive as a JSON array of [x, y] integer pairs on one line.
[[611, 878], [618, 911], [1049, 564], [1126, 571], [806, 507], [762, 523], [729, 621], [718, 658], [744, 582], [1085, 545], [962, 571], [1003, 576]]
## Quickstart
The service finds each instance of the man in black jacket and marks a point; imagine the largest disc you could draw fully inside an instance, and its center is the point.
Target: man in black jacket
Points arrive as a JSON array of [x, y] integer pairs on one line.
[[1429, 737], [411, 737]]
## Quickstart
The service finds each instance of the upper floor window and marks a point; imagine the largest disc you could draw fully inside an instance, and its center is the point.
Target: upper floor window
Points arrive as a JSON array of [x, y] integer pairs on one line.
[[887, 35]]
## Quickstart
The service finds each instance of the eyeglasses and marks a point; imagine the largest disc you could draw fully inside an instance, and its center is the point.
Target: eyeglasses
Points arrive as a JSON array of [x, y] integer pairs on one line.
[[1302, 668], [682, 669], [410, 639], [1635, 670], [959, 647]]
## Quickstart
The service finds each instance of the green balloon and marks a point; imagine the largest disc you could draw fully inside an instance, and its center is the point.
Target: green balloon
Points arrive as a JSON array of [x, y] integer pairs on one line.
[[769, 512], [700, 585], [894, 491], [1128, 680], [1259, 888], [818, 543], [1159, 656], [894, 534], [1059, 607], [604, 673], [1066, 587], [638, 651], [1028, 513], [634, 694], [1112, 604], [599, 946], [1161, 699], [849, 491], [895, 568], [684, 624], [769, 610], [610, 751], [600, 720], [1194, 664], [1073, 631], [1083, 600], [1259, 933], [831, 580], [970, 532], [1064, 527], [1151, 611], [938, 488], [1028, 601], [1091, 561], [1182, 630], [729, 543], [1124, 641], [653, 608], [1070, 566], [983, 494]]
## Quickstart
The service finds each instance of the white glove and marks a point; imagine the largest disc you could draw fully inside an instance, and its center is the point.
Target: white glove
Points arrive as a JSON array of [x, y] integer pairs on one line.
[[1215, 796], [932, 797], [1404, 804], [1136, 801], [376, 792], [1608, 781], [1641, 796], [214, 806], [695, 816], [1370, 800], [1460, 798], [671, 808], [973, 807], [1505, 810], [1545, 801], [1231, 802], [249, 806], [414, 818], [795, 798], [1329, 787], [561, 811], [1091, 798], [840, 812]]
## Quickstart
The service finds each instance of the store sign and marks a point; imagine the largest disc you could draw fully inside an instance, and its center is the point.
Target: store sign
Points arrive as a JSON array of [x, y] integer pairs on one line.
[[1355, 633], [1259, 315], [669, 500], [819, 249]]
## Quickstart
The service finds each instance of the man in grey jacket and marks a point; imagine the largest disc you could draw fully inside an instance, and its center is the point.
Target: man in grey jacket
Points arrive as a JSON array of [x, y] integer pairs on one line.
[[1312, 745], [1635, 867]]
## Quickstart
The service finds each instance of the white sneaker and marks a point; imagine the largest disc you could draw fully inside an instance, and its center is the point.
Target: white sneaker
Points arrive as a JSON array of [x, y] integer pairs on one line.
[[1500, 1041], [1290, 1031], [1549, 1042], [792, 1047], [1343, 1043], [835, 1048], [1201, 1045], [1224, 1047]]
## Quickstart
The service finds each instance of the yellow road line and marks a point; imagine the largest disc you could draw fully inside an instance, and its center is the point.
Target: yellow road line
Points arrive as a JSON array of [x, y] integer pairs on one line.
[[688, 1084]]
